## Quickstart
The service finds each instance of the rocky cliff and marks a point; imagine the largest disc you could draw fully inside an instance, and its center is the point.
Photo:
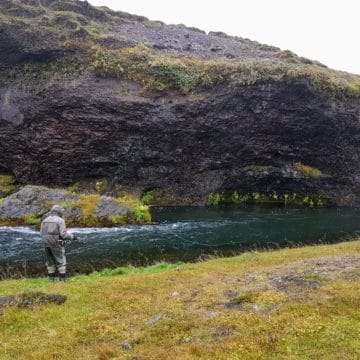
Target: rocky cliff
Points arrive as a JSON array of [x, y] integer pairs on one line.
[[89, 93]]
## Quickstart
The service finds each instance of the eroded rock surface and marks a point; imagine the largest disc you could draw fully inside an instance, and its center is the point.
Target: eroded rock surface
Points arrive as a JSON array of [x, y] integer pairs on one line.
[[242, 138]]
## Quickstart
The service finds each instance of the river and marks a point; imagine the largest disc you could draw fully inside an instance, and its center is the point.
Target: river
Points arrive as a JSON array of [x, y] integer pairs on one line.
[[180, 234]]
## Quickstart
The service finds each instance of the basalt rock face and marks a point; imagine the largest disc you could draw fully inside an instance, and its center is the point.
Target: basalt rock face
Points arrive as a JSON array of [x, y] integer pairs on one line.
[[182, 146]]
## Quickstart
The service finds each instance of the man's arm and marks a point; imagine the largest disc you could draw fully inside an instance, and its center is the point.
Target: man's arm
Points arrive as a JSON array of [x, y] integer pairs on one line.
[[64, 234]]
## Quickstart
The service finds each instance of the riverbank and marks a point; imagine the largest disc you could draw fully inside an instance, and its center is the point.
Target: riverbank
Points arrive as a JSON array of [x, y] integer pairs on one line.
[[293, 303], [89, 207]]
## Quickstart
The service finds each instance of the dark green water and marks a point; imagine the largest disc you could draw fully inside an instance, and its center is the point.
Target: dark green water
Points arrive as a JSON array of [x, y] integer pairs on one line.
[[181, 234]]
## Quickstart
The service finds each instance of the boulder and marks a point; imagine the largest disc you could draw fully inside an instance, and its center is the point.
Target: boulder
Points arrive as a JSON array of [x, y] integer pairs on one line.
[[33, 200], [107, 206]]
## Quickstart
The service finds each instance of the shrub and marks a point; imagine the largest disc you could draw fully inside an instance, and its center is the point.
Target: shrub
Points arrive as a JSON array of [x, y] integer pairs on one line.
[[31, 219], [147, 198], [142, 214]]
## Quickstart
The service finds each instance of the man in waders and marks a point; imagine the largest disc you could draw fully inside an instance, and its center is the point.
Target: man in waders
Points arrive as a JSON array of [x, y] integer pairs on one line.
[[53, 233]]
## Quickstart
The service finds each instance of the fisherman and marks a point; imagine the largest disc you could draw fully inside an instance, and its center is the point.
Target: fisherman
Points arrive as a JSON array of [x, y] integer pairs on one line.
[[53, 233]]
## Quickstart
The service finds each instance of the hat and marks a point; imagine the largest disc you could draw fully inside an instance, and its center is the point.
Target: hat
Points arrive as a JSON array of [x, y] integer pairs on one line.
[[58, 210]]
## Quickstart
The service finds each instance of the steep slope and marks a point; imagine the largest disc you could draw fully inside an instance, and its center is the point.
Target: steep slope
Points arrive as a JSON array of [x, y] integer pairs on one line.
[[89, 93]]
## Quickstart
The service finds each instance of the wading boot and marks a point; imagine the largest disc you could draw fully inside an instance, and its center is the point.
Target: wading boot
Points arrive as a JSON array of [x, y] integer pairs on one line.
[[62, 277]]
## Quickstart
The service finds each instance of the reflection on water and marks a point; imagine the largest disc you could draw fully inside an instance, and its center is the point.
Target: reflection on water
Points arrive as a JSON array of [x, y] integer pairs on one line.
[[182, 234]]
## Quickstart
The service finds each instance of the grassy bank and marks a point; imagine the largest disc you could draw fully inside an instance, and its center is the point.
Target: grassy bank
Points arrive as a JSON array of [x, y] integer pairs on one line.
[[288, 304]]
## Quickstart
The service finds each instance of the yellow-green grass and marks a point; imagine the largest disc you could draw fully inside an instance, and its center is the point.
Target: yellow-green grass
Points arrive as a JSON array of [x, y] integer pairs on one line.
[[106, 309], [161, 71], [6, 184]]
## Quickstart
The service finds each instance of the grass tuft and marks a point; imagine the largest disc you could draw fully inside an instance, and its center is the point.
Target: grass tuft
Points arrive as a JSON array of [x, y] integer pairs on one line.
[[307, 170]]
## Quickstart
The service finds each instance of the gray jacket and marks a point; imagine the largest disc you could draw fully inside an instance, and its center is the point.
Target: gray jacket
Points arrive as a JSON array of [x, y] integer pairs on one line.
[[53, 231]]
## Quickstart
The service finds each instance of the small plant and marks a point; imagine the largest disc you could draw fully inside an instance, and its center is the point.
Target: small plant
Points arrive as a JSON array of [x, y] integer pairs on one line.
[[100, 186], [286, 198], [320, 203], [235, 197], [147, 198], [213, 199], [307, 170]]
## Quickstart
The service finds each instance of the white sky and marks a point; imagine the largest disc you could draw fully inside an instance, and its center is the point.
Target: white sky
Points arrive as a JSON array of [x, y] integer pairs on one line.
[[324, 30]]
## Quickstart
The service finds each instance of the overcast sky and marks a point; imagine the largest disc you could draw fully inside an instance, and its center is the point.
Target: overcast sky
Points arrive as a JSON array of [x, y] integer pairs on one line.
[[324, 30]]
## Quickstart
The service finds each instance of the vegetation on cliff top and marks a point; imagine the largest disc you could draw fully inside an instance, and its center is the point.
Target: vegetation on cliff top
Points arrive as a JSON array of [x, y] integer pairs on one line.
[[160, 71], [289, 304], [66, 38]]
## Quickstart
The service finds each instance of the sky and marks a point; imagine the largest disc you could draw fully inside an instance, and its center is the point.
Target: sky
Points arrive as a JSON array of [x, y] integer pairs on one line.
[[323, 30]]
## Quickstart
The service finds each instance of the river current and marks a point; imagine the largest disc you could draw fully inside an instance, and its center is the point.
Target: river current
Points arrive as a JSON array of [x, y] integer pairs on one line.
[[180, 234]]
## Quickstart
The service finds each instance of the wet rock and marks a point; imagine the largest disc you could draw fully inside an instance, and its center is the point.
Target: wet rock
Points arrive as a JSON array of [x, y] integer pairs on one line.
[[107, 206], [30, 299]]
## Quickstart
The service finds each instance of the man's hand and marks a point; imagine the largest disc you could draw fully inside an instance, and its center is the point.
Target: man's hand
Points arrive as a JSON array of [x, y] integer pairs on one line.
[[76, 237]]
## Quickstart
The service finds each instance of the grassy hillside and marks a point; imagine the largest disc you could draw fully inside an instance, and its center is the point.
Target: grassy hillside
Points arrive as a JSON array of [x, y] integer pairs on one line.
[[53, 40], [289, 304]]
